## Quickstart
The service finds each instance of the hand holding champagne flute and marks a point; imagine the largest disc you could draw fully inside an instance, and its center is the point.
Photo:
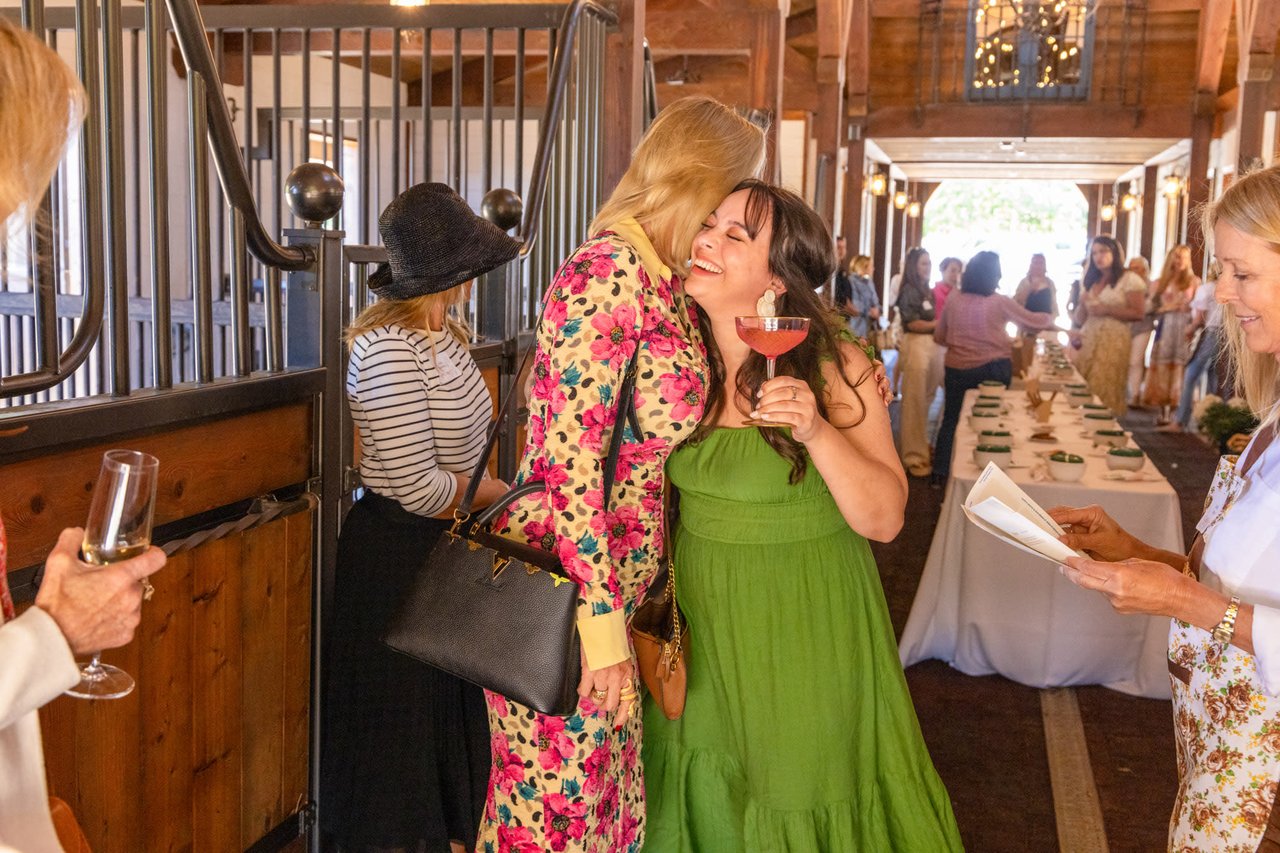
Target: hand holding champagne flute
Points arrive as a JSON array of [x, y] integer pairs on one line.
[[118, 528]]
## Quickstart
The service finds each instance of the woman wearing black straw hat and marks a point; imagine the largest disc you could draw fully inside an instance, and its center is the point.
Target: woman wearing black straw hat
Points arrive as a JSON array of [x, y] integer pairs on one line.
[[406, 752]]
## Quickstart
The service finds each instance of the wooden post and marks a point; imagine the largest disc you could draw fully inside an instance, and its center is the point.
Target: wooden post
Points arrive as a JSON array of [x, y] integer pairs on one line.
[[766, 78], [1199, 183], [854, 186], [882, 244], [1150, 194], [624, 90], [829, 132], [1257, 22]]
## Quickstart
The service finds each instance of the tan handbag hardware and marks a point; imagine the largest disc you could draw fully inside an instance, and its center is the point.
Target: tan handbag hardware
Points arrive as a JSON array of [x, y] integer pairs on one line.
[[660, 636]]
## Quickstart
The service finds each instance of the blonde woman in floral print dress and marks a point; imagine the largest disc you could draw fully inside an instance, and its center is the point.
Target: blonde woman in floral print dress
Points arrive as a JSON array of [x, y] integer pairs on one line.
[[575, 783], [1224, 641]]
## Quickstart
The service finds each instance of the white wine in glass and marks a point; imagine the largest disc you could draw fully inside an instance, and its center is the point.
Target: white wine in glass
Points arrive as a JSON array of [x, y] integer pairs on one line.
[[119, 527]]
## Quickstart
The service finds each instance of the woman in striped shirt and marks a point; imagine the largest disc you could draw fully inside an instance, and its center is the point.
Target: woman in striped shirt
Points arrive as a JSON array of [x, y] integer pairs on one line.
[[406, 758]]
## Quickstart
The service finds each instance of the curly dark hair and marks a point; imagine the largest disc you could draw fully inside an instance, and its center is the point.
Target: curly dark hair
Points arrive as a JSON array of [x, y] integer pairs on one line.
[[802, 257]]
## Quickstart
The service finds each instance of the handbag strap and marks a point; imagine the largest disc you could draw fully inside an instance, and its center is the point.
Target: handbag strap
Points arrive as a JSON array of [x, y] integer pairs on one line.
[[626, 397]]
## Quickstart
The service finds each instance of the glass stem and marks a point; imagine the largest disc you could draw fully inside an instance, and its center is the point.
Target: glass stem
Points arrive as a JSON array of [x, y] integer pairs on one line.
[[94, 667], [770, 363]]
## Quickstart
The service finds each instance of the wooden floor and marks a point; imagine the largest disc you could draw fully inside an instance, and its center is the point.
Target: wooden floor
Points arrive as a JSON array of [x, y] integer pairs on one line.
[[987, 735]]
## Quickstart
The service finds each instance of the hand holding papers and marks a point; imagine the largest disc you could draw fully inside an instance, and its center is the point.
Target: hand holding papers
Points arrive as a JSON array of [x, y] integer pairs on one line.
[[998, 506]]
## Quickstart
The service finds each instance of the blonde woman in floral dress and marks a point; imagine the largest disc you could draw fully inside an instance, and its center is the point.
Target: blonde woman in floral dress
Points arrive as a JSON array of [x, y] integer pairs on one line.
[[575, 783], [1224, 597], [1111, 297]]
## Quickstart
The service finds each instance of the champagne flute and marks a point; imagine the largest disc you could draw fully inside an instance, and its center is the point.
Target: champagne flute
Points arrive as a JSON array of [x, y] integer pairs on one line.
[[119, 527], [771, 337]]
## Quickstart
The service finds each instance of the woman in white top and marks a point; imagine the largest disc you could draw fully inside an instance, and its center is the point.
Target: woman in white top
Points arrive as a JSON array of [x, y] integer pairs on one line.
[[1224, 598], [406, 759], [79, 608]]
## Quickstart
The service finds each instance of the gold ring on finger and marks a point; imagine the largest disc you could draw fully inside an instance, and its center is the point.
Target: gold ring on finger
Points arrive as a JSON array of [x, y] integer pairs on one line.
[[793, 392], [599, 695], [147, 589]]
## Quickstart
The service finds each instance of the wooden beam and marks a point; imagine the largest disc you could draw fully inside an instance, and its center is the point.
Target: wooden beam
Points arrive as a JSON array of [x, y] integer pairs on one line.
[[1215, 29], [829, 133], [1150, 198], [1199, 184], [833, 36], [1011, 120], [858, 61], [854, 186], [766, 79], [683, 28], [623, 90], [1257, 23]]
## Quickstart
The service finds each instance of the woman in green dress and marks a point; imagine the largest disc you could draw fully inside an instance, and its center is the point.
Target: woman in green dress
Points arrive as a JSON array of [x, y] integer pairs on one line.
[[798, 732]]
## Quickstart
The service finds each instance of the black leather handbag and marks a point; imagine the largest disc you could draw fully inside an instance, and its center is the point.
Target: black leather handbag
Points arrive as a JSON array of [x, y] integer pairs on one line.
[[498, 613]]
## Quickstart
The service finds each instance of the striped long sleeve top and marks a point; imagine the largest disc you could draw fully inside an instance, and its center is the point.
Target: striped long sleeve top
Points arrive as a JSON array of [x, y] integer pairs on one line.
[[421, 415]]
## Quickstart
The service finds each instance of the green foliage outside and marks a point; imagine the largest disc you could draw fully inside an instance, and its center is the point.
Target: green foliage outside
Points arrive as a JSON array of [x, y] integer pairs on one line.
[[1025, 207]]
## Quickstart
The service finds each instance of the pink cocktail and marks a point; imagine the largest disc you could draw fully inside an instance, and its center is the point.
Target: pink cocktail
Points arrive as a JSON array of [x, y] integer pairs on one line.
[[771, 337]]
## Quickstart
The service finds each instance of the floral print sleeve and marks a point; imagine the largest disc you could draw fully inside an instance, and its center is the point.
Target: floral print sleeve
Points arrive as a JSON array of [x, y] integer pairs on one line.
[[595, 321]]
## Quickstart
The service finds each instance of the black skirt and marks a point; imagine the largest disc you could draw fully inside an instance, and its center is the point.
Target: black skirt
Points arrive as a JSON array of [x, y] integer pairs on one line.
[[405, 758]]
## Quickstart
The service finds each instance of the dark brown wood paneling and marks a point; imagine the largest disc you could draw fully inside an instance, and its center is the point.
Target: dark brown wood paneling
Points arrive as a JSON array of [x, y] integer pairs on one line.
[[201, 467], [211, 750]]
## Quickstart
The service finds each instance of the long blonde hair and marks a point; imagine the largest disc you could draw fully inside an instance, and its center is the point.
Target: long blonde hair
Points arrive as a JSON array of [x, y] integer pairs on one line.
[[1251, 205], [413, 314], [41, 104], [693, 155], [1181, 279]]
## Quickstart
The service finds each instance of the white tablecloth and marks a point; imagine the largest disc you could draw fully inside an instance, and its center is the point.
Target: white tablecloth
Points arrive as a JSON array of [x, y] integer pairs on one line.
[[987, 608]]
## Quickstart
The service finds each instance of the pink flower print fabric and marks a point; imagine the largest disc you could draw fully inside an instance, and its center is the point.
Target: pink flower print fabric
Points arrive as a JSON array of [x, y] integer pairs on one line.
[[575, 783]]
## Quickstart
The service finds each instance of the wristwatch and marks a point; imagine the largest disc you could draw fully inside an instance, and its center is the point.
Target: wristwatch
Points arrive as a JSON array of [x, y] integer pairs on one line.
[[1227, 627]]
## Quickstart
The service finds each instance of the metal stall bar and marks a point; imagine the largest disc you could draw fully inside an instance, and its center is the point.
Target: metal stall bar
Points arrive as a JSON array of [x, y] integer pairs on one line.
[[201, 274], [158, 166]]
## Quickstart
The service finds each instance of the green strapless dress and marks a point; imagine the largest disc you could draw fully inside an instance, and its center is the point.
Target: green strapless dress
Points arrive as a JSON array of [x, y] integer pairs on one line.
[[799, 733]]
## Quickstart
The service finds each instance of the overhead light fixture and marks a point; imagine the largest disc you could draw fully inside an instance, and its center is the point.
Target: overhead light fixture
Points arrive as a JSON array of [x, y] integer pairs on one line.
[[877, 185], [1128, 202], [1107, 212], [409, 2], [913, 209], [900, 199]]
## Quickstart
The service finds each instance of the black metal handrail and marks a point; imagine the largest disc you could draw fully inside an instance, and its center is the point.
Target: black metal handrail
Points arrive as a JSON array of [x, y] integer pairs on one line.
[[541, 174], [188, 28]]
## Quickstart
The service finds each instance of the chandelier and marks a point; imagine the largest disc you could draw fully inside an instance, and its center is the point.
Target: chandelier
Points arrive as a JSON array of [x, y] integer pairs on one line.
[[1018, 43]]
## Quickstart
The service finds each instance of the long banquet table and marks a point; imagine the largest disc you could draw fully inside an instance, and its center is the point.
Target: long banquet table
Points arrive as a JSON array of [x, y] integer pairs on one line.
[[986, 607]]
